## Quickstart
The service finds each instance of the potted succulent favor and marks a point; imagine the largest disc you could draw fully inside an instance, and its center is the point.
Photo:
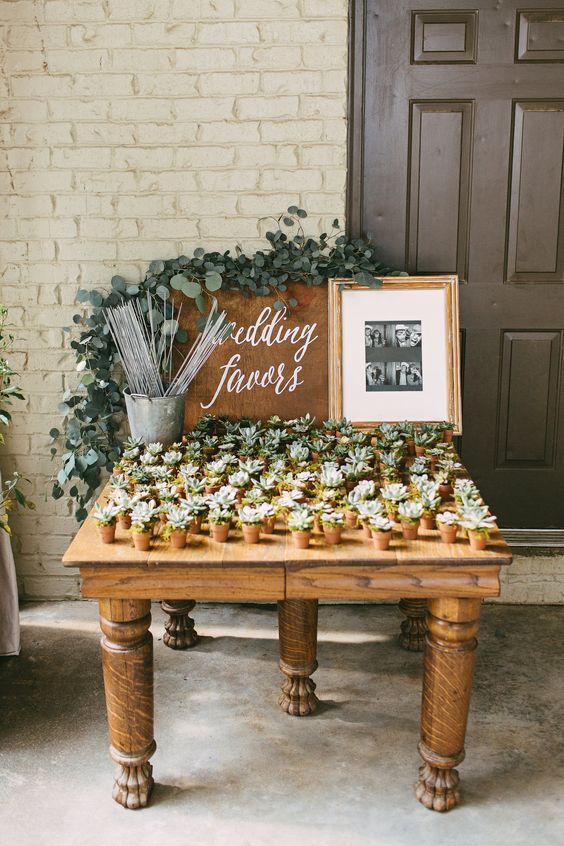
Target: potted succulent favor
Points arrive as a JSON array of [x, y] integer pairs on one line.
[[300, 523], [446, 474], [431, 501], [477, 521], [381, 528], [239, 480], [143, 517], [424, 440], [179, 519], [219, 520], [409, 514], [119, 481], [105, 517], [447, 430], [251, 520], [298, 453], [390, 466], [392, 495], [351, 513], [196, 506], [123, 503], [367, 510], [268, 517], [332, 523], [447, 521]]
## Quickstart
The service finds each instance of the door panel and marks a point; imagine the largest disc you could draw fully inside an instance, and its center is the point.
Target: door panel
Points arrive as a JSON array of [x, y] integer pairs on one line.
[[456, 163]]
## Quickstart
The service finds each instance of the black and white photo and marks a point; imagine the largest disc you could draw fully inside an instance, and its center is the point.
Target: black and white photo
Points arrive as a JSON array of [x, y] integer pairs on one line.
[[386, 368]]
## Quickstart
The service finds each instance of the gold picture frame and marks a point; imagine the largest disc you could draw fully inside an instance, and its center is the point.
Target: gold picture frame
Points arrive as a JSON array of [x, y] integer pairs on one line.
[[438, 365]]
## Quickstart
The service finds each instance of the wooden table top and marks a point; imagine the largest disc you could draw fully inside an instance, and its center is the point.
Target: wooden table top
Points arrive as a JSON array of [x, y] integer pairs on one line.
[[275, 569]]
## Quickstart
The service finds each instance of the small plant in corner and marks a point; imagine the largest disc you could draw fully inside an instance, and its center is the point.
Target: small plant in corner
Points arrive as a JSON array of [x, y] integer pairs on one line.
[[176, 529], [219, 519], [478, 522], [332, 522], [447, 521]]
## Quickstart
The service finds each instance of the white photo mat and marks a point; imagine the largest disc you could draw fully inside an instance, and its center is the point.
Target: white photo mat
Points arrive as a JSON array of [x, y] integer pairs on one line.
[[370, 386]]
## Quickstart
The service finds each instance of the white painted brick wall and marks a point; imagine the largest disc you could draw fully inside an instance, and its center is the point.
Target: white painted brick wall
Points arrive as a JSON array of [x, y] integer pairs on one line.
[[137, 129]]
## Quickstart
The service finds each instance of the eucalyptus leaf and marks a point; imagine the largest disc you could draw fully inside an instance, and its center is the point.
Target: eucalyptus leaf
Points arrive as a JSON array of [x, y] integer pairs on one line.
[[191, 289]]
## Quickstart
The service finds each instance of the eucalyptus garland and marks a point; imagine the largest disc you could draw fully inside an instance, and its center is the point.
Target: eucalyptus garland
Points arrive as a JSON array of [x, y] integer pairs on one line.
[[89, 440]]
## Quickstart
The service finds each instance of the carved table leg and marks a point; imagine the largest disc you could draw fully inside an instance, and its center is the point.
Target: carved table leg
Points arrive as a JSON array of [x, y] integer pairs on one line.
[[297, 622], [414, 628], [179, 627], [447, 686], [127, 662]]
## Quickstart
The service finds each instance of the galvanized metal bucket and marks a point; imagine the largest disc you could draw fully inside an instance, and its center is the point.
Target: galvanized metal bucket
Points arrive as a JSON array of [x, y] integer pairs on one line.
[[155, 419]]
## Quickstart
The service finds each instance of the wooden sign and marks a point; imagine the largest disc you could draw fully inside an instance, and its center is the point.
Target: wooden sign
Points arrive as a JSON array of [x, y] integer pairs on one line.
[[274, 362]]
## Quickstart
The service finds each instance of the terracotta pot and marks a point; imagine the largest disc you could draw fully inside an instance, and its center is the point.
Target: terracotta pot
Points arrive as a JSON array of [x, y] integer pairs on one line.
[[446, 492], [419, 450], [141, 541], [219, 532], [478, 540], [447, 436], [163, 518], [410, 444], [350, 485], [251, 534], [209, 489], [301, 539], [409, 530], [382, 539], [351, 519], [448, 533], [124, 521], [432, 463], [268, 526], [107, 533], [393, 515], [332, 534], [428, 523], [316, 526], [178, 539], [366, 531], [196, 525]]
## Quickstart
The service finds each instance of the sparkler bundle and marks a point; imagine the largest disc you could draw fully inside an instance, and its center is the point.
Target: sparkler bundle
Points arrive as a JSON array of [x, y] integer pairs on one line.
[[146, 349]]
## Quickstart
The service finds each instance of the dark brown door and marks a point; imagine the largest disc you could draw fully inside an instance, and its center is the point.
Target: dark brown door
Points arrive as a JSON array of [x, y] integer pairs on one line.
[[456, 160]]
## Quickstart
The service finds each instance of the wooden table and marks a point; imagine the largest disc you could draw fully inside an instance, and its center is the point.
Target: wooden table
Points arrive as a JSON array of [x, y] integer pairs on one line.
[[450, 580]]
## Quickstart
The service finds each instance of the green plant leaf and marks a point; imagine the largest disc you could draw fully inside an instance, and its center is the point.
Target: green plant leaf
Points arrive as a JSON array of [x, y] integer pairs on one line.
[[213, 281], [177, 281], [191, 289]]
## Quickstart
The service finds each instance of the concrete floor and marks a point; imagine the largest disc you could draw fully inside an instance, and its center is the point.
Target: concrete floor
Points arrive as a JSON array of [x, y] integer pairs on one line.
[[231, 768]]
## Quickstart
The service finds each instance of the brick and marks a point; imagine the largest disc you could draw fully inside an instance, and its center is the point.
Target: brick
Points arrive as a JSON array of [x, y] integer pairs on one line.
[[98, 250], [259, 9], [227, 33], [106, 181], [42, 181], [192, 10], [162, 84], [140, 109], [104, 134], [62, 11], [244, 180], [323, 155], [79, 61], [171, 228], [207, 203], [326, 56], [144, 206], [311, 33], [235, 228], [165, 135], [107, 228], [228, 83], [47, 228], [167, 181], [79, 109], [103, 85], [32, 37], [17, 11], [144, 60], [232, 131], [98, 157], [41, 86], [260, 205], [211, 58], [144, 158], [136, 10], [297, 131], [28, 159], [147, 250], [271, 57], [266, 107], [196, 157], [169, 35], [253, 155], [51, 587], [325, 8], [202, 109], [316, 106], [285, 180], [278, 82], [105, 35], [12, 111], [16, 61]]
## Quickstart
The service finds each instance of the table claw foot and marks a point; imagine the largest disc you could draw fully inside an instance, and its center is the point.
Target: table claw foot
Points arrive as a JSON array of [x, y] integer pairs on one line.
[[414, 627], [179, 626], [298, 696], [437, 788], [133, 785]]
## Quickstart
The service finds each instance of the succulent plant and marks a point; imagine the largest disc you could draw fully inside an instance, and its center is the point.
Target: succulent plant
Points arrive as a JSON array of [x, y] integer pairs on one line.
[[447, 518], [410, 511], [379, 523], [225, 497], [220, 516], [143, 516], [300, 519], [331, 477], [332, 519], [394, 493], [250, 516], [118, 480], [179, 518], [240, 479], [105, 515]]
